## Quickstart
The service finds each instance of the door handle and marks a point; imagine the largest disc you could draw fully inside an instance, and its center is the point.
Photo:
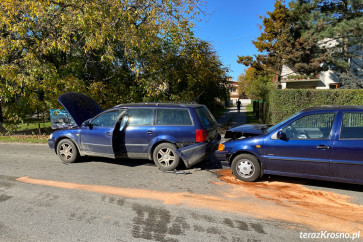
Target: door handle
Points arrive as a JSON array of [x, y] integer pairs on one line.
[[108, 133], [322, 147], [149, 132]]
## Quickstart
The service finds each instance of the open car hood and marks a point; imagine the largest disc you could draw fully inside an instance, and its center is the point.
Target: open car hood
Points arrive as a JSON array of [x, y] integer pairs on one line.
[[246, 131], [79, 106]]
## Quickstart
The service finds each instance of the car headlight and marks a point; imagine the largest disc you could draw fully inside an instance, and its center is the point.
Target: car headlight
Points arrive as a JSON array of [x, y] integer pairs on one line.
[[50, 136]]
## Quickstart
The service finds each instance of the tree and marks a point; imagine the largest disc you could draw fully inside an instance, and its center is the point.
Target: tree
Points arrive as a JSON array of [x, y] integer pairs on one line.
[[286, 40], [191, 72], [253, 84], [339, 26], [276, 27], [350, 81], [107, 49]]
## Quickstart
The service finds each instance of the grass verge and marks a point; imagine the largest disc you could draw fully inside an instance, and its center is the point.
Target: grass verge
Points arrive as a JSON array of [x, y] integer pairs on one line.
[[39, 139], [250, 116]]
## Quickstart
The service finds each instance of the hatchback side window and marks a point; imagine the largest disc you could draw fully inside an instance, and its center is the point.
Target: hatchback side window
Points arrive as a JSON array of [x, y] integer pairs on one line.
[[141, 116], [167, 116], [106, 119], [352, 126], [313, 126]]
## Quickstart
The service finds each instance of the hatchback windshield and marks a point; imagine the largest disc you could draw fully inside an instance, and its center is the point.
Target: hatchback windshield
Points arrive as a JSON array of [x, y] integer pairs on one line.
[[271, 129]]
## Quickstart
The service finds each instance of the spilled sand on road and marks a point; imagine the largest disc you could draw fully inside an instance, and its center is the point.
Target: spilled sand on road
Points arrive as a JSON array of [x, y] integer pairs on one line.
[[299, 204], [294, 203]]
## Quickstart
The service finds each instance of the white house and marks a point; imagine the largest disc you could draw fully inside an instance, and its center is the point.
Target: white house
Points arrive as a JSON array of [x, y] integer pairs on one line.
[[326, 79]]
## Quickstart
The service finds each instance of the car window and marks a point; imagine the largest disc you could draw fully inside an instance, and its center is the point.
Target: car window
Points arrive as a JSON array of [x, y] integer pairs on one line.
[[313, 126], [271, 129], [206, 117], [106, 119], [141, 116], [352, 126], [166, 116]]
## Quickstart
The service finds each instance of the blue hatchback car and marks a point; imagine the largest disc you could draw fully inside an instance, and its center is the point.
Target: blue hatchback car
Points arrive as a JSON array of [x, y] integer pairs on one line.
[[165, 133], [319, 143]]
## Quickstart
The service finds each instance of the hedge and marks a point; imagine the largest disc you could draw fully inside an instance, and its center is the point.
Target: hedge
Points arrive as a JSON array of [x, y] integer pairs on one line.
[[284, 103]]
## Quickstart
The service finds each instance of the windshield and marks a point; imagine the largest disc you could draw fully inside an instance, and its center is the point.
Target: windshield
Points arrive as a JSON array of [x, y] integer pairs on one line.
[[271, 129]]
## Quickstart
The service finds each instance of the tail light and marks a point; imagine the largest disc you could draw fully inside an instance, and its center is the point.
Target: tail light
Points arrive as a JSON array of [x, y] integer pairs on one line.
[[200, 135]]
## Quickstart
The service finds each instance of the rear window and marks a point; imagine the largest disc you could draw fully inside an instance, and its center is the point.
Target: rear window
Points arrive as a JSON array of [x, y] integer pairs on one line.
[[352, 126], [206, 117], [167, 116]]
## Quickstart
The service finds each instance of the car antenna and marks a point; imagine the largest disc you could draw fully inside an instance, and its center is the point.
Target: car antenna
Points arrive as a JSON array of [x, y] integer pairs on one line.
[[197, 98]]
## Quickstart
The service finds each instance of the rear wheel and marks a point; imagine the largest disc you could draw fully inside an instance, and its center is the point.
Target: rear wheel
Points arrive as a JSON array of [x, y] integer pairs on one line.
[[246, 167], [165, 157], [67, 151]]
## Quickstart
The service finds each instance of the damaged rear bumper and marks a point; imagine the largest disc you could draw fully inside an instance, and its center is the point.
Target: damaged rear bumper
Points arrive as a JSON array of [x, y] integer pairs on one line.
[[195, 153]]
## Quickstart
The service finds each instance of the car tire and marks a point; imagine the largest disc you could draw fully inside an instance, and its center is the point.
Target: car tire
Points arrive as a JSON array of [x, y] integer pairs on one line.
[[67, 151], [246, 167], [165, 157]]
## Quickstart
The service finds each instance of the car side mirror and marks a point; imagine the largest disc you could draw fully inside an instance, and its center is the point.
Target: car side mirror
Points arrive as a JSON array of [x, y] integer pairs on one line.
[[88, 124], [281, 135], [124, 122]]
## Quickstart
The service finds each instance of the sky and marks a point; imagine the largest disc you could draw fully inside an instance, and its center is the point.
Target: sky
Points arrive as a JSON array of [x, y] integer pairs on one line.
[[231, 27]]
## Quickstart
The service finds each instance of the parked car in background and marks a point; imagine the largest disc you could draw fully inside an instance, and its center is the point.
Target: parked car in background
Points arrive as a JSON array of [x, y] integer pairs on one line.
[[166, 133], [320, 143]]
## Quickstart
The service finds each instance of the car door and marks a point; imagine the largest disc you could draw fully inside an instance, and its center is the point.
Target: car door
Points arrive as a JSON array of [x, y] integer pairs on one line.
[[139, 133], [347, 152], [306, 149], [97, 138]]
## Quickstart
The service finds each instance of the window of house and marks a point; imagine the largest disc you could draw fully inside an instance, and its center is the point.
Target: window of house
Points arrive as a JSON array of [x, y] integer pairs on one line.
[[334, 86]]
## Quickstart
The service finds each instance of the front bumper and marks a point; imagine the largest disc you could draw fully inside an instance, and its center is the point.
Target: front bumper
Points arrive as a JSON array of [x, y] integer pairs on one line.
[[51, 144], [222, 155]]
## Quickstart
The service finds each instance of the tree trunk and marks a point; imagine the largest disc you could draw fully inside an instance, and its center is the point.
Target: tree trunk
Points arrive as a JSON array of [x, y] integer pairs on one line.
[[38, 116], [1, 114], [2, 129]]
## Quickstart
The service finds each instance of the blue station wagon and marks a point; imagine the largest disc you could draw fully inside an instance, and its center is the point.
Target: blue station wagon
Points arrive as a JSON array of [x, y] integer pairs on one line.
[[319, 143], [165, 133]]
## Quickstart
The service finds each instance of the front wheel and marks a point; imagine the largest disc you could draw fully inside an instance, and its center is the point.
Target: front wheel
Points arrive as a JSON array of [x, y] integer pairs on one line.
[[67, 151], [246, 167], [165, 157]]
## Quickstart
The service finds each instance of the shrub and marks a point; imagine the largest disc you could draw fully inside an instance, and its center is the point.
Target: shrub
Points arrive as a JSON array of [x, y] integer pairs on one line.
[[284, 103]]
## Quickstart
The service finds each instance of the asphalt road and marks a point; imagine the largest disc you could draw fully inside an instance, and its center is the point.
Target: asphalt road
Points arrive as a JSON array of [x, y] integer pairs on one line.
[[42, 199]]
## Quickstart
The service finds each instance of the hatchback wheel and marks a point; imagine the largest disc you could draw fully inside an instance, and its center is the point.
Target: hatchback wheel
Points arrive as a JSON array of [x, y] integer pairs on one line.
[[67, 151], [165, 157], [246, 167]]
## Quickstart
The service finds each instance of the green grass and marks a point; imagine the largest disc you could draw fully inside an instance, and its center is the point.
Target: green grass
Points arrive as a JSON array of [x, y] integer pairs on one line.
[[26, 126], [251, 117], [26, 132], [42, 139], [219, 112]]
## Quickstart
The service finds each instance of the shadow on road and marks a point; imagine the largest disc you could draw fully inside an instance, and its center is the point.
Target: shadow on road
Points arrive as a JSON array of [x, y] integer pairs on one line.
[[208, 164]]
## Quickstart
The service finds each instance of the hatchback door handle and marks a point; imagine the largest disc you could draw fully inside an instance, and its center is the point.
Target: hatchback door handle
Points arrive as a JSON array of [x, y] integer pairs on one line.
[[149, 132], [322, 147]]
